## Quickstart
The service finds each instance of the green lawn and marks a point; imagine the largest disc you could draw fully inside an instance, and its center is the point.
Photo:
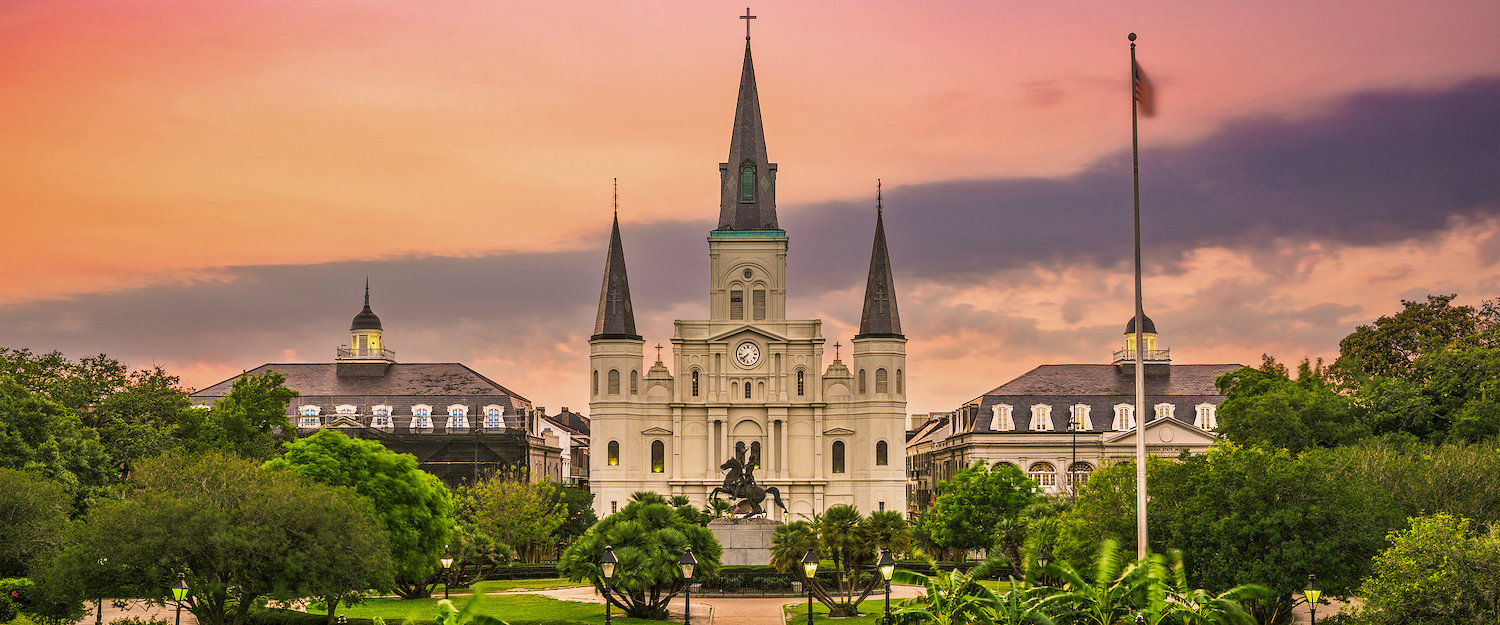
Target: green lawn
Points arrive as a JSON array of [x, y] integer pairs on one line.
[[518, 609], [528, 584], [872, 609]]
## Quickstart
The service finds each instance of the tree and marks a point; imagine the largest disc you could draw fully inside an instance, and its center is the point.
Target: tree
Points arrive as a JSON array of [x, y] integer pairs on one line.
[[243, 421], [32, 509], [238, 532], [413, 506], [970, 507], [42, 436], [1438, 571], [1265, 406], [1420, 478], [649, 538], [521, 514], [579, 505], [139, 420], [1391, 345], [851, 541], [471, 547]]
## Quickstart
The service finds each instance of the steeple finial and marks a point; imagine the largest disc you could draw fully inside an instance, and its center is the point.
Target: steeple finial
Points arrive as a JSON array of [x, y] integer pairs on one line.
[[617, 198], [367, 291], [748, 178], [616, 319], [747, 17], [880, 318], [366, 319]]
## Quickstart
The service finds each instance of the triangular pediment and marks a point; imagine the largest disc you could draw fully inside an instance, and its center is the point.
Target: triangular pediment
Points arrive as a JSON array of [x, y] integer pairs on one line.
[[657, 431], [342, 423], [751, 329], [839, 432], [1164, 432]]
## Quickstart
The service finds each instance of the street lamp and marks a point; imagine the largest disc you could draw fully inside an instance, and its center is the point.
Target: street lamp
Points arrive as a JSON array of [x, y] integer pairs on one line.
[[179, 593], [688, 563], [810, 568], [447, 562], [1043, 558], [607, 564], [99, 616], [1073, 426], [1312, 593], [887, 566]]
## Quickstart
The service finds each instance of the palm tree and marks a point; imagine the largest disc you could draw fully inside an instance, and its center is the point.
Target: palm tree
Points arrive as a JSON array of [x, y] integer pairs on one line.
[[1118, 590], [953, 597], [1195, 606]]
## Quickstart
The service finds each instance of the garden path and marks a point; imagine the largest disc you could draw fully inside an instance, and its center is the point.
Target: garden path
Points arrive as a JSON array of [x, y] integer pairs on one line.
[[717, 610]]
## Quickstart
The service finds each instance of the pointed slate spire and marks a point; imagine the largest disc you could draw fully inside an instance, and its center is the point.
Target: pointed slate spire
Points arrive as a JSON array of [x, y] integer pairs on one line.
[[880, 318], [748, 200], [616, 320], [366, 319]]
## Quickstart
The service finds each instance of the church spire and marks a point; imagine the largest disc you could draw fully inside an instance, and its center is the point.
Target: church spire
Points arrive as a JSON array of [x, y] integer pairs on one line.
[[748, 200], [616, 320], [880, 318]]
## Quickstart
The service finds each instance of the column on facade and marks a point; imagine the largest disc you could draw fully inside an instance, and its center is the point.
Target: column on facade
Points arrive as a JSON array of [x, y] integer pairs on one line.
[[677, 442], [818, 443], [785, 460]]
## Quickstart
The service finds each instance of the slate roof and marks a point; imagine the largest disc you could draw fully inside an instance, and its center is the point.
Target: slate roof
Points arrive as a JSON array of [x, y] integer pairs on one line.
[[748, 143], [880, 318], [616, 318], [1100, 387]]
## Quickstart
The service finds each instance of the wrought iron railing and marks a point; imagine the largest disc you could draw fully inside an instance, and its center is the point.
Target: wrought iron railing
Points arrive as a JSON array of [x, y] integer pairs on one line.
[[1150, 355], [358, 353]]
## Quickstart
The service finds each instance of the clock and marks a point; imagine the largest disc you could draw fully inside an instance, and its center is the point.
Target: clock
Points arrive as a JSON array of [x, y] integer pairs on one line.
[[747, 354]]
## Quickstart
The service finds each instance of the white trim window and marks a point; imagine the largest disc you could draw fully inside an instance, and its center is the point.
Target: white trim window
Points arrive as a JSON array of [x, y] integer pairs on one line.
[[1004, 418], [1078, 415], [1164, 411], [382, 410], [1124, 417], [346, 409], [1041, 418], [1204, 417], [309, 410], [1044, 474], [308, 416], [381, 417], [494, 417], [309, 422], [458, 417], [421, 417]]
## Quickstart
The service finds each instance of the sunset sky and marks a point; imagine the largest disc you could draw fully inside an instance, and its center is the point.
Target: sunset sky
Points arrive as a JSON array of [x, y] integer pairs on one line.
[[205, 185]]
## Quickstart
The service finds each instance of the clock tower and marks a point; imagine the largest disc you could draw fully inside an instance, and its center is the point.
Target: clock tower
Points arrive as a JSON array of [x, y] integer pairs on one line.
[[747, 380]]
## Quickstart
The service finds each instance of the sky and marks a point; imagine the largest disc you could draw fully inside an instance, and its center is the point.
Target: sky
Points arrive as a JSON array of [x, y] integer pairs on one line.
[[205, 186]]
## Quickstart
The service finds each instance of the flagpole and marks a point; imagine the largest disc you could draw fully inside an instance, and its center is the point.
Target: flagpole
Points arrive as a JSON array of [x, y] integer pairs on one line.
[[1140, 367]]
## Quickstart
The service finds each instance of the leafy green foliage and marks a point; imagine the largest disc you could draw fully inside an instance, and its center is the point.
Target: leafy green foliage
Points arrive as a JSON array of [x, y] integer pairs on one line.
[[237, 531], [971, 507], [44, 437], [32, 508], [649, 538], [413, 506], [1439, 571], [243, 421], [851, 541], [521, 514], [1265, 406]]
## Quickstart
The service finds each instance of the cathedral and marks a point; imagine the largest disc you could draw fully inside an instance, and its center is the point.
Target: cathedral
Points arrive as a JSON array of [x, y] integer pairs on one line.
[[747, 382]]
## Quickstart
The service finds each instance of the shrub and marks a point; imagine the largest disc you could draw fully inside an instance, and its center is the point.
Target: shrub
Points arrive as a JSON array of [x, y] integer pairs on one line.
[[136, 620]]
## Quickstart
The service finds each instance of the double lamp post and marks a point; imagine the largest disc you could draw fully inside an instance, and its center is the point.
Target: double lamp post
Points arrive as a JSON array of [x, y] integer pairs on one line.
[[608, 562], [886, 564]]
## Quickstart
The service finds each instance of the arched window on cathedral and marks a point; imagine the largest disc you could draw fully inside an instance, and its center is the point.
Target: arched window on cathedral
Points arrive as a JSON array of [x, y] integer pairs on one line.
[[838, 456], [695, 383], [755, 453], [614, 381], [596, 381], [882, 381], [614, 453], [747, 183], [635, 382], [900, 383], [658, 457], [747, 389], [801, 382], [758, 304], [736, 304], [882, 454], [861, 380]]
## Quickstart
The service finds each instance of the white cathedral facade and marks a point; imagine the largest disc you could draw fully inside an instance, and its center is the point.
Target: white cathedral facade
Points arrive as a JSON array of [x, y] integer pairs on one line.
[[747, 380]]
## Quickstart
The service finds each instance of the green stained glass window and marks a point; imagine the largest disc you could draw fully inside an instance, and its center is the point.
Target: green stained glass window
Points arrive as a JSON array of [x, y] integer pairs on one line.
[[747, 183]]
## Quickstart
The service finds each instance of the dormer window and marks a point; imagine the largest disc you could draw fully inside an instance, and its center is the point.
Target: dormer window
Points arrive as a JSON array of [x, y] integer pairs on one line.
[[1124, 417], [346, 409], [1003, 419], [308, 411], [458, 410], [1164, 411], [380, 411], [1041, 418], [494, 417], [1204, 417], [747, 183], [421, 410], [1079, 418]]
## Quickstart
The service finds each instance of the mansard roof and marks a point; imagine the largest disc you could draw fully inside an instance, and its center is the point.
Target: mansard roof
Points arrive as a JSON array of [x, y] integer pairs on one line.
[[1101, 388], [429, 381]]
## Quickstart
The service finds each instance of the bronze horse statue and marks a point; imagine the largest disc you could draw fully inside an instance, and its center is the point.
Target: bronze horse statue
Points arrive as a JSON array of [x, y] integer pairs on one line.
[[739, 484]]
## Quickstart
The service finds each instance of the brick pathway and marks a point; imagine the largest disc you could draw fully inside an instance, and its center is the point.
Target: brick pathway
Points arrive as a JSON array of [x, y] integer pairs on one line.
[[715, 611]]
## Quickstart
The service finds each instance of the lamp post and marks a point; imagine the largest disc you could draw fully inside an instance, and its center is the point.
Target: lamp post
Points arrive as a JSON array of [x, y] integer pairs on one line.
[[607, 564], [1312, 593], [688, 563], [810, 568], [447, 562], [1043, 558], [99, 607], [887, 566], [179, 593], [1073, 426]]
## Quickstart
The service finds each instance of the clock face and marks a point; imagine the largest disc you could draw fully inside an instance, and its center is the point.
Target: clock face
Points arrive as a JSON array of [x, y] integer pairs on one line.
[[747, 354]]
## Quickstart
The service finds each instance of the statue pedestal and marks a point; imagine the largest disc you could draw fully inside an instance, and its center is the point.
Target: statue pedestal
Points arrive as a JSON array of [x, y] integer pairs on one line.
[[745, 541]]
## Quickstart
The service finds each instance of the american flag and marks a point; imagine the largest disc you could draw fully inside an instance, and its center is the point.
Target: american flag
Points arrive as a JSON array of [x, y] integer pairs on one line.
[[1144, 94]]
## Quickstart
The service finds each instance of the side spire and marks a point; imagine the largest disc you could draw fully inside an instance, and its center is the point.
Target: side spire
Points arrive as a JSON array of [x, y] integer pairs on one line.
[[748, 178], [880, 318], [616, 319]]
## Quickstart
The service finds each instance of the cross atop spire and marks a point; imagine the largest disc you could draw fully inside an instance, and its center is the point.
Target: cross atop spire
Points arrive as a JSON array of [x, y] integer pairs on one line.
[[617, 198], [747, 17]]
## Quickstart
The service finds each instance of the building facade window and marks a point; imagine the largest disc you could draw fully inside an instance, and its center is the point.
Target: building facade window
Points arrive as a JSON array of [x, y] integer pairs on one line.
[[1044, 474], [458, 410], [1164, 411], [381, 410], [1124, 417], [346, 409], [1078, 474], [1041, 418], [747, 183], [381, 421], [736, 304], [882, 454], [658, 457], [1204, 417], [307, 422], [596, 381], [838, 456], [635, 382], [801, 383], [613, 382], [1003, 419], [1079, 418], [421, 410], [861, 380], [614, 453], [695, 383], [882, 381], [758, 304], [309, 411], [900, 383], [747, 389], [755, 455]]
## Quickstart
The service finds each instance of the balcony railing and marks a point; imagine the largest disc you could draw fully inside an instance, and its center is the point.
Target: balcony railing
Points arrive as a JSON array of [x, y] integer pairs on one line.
[[355, 353], [1150, 355]]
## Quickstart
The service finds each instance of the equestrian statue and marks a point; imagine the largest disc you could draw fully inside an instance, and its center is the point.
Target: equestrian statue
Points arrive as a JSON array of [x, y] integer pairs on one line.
[[739, 484]]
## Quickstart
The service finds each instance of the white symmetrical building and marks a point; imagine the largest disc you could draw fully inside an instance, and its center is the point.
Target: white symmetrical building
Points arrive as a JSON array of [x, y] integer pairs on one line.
[[747, 378]]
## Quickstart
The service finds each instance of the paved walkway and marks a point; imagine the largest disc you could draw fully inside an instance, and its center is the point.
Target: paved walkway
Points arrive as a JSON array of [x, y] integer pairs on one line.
[[716, 610]]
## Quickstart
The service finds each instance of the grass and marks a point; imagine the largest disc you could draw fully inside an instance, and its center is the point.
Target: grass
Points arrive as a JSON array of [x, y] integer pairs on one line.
[[527, 584], [517, 609], [872, 609]]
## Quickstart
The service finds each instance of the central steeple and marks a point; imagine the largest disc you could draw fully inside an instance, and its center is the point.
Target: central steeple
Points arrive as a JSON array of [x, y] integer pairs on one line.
[[747, 180]]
